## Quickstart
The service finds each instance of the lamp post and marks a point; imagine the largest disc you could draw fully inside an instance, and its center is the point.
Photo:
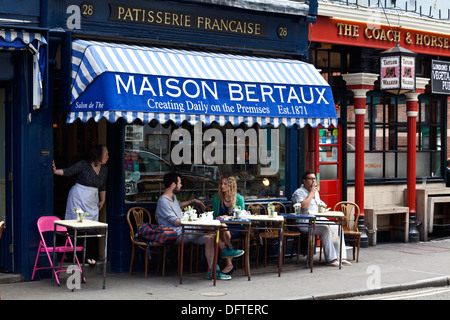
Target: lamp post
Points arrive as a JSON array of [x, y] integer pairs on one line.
[[398, 76]]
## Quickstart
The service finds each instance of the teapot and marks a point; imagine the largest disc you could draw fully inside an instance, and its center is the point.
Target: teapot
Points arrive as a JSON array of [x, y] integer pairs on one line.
[[208, 215]]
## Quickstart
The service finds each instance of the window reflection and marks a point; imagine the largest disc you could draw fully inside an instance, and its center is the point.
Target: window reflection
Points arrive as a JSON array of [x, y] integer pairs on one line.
[[386, 134], [255, 156]]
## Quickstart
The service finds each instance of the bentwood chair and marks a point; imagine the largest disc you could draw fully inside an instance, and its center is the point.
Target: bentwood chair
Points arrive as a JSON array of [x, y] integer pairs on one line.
[[191, 245], [268, 236], [288, 234], [46, 226], [136, 217], [257, 209], [209, 207], [350, 224], [255, 238], [305, 233]]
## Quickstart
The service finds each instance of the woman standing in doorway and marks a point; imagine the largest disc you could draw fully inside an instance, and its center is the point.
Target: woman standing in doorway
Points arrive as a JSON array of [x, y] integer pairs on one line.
[[89, 191]]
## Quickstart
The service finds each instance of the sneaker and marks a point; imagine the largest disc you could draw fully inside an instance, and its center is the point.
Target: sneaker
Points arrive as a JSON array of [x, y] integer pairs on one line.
[[222, 276], [229, 252], [219, 275]]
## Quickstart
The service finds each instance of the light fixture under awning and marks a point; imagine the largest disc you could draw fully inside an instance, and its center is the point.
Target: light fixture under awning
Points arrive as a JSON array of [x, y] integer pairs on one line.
[[133, 82]]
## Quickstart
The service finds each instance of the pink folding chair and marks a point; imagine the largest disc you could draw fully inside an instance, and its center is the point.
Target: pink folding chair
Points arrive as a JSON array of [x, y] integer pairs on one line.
[[46, 224]]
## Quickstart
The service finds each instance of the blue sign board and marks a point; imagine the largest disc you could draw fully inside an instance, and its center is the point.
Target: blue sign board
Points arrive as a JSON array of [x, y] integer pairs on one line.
[[148, 93]]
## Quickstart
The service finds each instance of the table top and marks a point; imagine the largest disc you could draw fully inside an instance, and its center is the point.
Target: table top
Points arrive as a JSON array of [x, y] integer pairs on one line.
[[199, 222], [263, 217], [236, 221], [329, 214], [86, 224], [326, 214], [297, 216]]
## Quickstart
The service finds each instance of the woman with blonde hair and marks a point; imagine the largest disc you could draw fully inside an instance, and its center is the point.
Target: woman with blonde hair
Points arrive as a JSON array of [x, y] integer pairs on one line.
[[223, 203], [227, 197]]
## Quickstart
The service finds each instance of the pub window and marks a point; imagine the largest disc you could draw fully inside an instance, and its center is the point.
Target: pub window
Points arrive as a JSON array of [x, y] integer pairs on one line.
[[385, 138], [201, 154]]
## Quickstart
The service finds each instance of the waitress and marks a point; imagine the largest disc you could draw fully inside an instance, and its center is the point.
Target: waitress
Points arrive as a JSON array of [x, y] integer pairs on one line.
[[89, 191]]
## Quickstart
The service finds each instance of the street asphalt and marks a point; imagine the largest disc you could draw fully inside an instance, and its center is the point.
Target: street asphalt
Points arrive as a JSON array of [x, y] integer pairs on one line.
[[383, 268]]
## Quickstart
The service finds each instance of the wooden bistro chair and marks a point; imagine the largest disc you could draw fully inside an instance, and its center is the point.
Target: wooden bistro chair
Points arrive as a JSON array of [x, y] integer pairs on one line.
[[288, 234], [265, 235], [209, 207], [136, 217], [257, 209], [305, 233], [255, 238], [350, 224], [191, 245]]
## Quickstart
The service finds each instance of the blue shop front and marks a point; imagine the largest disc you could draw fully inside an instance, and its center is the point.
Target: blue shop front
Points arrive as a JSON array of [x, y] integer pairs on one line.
[[202, 87], [26, 138]]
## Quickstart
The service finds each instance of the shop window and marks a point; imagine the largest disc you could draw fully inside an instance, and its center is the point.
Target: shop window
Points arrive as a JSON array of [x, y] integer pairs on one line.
[[330, 60], [386, 134], [255, 156]]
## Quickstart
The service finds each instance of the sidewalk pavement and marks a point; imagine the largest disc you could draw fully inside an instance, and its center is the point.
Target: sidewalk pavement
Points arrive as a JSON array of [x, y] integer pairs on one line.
[[384, 268]]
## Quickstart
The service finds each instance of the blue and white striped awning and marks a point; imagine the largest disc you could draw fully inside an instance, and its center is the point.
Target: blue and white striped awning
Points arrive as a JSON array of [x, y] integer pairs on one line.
[[115, 81], [12, 40]]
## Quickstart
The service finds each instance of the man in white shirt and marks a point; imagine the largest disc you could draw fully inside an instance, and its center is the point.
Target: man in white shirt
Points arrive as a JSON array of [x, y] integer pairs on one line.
[[308, 196]]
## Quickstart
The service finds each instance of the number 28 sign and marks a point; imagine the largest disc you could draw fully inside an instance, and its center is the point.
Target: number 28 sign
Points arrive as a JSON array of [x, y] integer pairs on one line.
[[282, 32]]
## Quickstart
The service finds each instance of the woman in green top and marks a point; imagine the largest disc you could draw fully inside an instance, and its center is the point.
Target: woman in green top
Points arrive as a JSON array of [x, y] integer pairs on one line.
[[223, 203], [227, 197]]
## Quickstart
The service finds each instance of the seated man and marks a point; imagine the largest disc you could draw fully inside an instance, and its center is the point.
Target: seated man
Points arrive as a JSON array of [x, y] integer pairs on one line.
[[168, 212], [308, 196]]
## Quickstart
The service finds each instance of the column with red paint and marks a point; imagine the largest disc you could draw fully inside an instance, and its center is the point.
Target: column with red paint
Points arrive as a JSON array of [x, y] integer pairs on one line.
[[411, 112], [360, 84]]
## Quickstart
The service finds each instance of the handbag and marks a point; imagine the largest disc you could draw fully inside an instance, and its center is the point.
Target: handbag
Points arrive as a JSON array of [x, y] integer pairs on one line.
[[157, 234]]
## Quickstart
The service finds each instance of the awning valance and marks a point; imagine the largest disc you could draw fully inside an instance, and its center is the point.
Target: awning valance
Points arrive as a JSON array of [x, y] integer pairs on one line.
[[13, 40], [133, 82]]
